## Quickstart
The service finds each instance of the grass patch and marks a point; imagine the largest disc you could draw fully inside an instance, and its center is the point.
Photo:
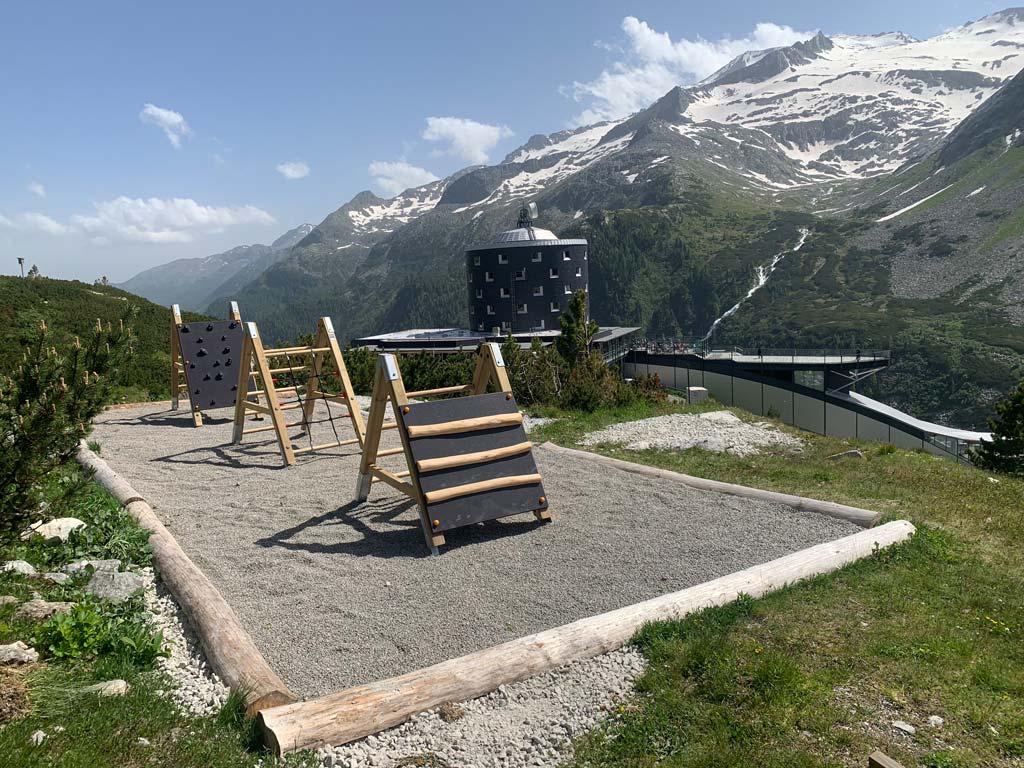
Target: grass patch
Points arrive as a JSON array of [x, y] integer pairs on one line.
[[814, 675]]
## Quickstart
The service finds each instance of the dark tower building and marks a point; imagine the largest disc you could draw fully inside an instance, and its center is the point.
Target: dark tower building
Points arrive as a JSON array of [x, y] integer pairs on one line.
[[523, 280]]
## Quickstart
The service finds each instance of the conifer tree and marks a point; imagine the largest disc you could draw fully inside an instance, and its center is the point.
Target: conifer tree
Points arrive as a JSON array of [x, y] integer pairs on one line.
[[1005, 451]]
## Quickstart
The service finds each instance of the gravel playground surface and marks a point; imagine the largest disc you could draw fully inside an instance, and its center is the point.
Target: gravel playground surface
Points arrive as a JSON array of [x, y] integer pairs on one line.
[[720, 431], [336, 593]]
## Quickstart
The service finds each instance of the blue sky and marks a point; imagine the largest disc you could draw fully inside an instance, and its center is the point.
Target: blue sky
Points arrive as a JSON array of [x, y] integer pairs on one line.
[[135, 133]]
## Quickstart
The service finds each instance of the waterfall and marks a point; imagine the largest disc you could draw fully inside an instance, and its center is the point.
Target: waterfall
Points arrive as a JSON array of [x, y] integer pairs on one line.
[[763, 272]]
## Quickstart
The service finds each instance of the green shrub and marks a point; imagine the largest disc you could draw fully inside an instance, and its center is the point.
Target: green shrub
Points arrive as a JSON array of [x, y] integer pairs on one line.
[[95, 628], [1005, 451], [537, 375], [591, 385], [46, 405]]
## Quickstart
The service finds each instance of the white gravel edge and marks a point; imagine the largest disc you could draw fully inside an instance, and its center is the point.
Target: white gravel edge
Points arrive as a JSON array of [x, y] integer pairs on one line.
[[198, 690]]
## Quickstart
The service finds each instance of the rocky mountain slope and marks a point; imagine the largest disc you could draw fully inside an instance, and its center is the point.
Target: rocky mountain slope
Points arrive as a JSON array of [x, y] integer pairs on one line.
[[192, 283]]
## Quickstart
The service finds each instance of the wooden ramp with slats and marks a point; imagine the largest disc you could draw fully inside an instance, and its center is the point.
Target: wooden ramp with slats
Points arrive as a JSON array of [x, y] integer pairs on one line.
[[468, 458]]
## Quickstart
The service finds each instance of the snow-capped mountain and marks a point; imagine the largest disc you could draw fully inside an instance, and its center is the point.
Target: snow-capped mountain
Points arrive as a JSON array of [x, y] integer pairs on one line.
[[828, 109]]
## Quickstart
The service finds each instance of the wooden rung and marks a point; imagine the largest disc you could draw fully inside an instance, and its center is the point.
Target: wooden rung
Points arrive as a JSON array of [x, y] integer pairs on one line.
[[466, 425], [440, 391], [257, 429], [294, 351], [257, 407], [390, 452], [389, 425], [324, 446], [289, 369], [263, 392], [328, 396], [444, 494], [479, 457]]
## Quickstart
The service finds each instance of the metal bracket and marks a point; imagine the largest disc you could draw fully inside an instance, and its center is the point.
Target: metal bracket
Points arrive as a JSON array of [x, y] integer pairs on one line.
[[496, 352], [390, 366]]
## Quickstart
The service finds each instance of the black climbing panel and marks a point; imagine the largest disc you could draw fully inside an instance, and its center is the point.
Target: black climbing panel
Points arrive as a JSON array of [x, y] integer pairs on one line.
[[487, 505], [212, 352]]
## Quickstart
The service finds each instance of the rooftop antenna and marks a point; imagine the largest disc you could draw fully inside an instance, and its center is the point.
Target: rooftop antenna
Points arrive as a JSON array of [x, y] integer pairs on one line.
[[526, 215], [21, 263]]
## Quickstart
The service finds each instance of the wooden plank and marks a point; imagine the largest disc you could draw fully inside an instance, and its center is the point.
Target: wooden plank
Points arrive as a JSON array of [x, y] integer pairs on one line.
[[477, 457], [440, 391], [357, 712], [881, 760], [230, 650], [493, 484], [295, 351], [466, 425], [390, 452], [392, 479]]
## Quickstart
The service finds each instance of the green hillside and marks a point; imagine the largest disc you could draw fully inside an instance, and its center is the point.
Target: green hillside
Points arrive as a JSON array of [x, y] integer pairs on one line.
[[71, 308]]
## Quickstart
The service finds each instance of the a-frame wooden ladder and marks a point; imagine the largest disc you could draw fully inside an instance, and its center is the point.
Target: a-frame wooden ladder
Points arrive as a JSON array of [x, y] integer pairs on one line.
[[257, 374]]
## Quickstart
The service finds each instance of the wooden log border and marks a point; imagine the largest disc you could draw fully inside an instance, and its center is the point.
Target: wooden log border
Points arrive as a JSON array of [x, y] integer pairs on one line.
[[230, 650], [865, 518], [357, 712]]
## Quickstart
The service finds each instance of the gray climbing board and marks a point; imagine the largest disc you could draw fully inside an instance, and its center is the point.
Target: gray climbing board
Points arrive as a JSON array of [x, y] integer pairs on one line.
[[212, 352], [477, 507]]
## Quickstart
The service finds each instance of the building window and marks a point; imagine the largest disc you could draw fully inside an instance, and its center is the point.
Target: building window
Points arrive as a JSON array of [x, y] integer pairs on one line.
[[579, 271], [490, 310], [538, 256], [520, 274], [504, 292], [479, 293], [554, 306], [542, 325], [584, 255], [553, 273], [521, 309], [567, 289], [476, 261], [502, 258], [480, 327], [488, 277], [538, 290], [566, 256], [506, 325], [472, 310]]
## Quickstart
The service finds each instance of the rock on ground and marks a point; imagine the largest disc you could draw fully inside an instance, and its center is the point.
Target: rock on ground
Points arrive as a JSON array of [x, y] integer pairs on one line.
[[97, 565], [39, 609], [17, 653], [108, 688], [719, 431], [117, 586], [19, 566], [56, 530]]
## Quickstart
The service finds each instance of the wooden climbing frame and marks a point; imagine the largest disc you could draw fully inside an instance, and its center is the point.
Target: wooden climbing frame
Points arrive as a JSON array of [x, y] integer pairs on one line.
[[186, 369], [306, 367], [468, 459]]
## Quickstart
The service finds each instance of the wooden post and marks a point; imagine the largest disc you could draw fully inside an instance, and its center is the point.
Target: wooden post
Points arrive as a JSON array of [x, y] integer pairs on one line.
[[881, 760], [177, 363], [357, 712], [254, 358]]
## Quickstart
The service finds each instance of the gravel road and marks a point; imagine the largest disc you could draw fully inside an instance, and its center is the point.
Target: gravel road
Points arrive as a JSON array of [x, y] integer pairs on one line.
[[336, 593]]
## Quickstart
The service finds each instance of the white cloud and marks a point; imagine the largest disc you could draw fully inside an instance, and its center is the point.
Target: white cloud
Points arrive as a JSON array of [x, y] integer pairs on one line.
[[32, 221], [656, 63], [295, 169], [172, 123], [37, 189], [466, 138], [394, 178], [156, 220]]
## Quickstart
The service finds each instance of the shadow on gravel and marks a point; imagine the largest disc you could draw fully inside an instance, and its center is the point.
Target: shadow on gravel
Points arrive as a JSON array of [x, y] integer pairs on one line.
[[181, 419], [405, 539]]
